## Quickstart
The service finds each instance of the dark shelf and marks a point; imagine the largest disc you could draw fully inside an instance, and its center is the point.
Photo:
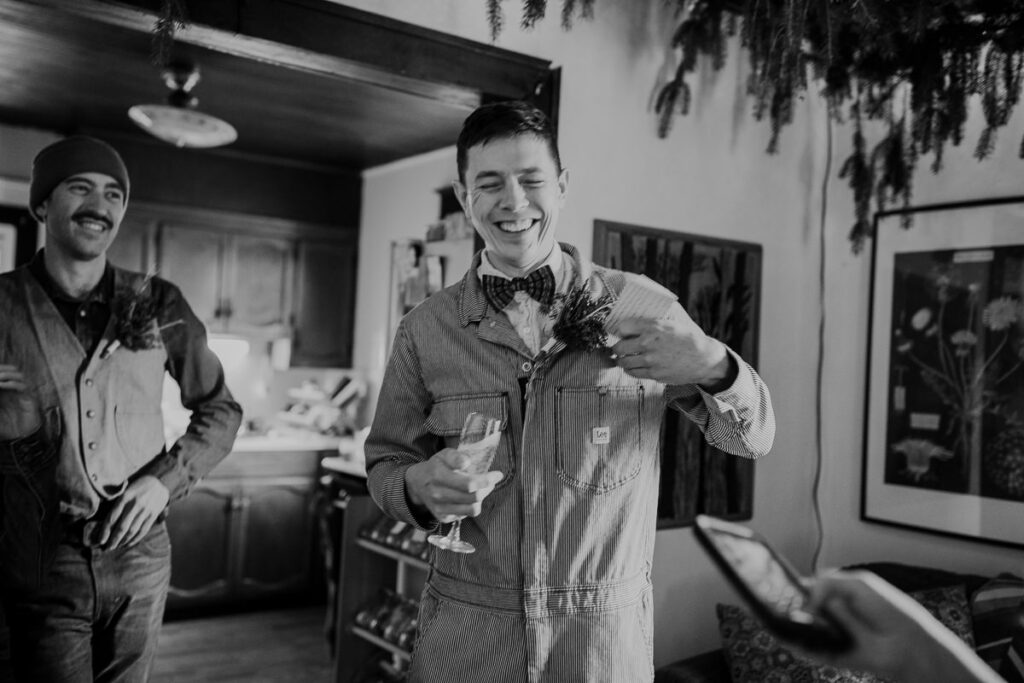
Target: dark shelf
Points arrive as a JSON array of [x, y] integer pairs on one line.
[[393, 554], [380, 642]]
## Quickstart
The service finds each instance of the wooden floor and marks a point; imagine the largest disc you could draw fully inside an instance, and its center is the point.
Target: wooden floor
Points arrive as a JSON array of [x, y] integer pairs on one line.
[[261, 647]]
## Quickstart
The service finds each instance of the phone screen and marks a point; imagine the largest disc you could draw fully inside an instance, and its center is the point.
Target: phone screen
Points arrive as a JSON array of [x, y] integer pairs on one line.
[[759, 569], [772, 589]]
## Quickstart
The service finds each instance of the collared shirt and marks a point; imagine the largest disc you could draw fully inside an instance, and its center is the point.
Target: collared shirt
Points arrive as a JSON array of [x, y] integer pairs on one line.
[[528, 316], [86, 317]]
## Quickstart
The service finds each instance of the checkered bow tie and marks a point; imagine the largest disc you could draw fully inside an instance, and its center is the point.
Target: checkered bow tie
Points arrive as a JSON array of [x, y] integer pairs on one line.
[[540, 285]]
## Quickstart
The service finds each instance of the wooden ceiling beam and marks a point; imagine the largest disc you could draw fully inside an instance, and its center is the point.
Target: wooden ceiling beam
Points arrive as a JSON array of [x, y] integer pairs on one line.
[[331, 40]]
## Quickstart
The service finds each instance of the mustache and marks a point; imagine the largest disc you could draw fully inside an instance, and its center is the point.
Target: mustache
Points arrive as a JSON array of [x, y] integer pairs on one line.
[[92, 215]]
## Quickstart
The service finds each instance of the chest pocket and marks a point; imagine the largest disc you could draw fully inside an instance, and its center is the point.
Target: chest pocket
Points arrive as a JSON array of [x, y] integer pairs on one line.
[[449, 413], [599, 436]]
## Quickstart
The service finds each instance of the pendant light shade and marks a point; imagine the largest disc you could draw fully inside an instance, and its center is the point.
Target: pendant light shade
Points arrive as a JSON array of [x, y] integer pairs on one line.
[[179, 122]]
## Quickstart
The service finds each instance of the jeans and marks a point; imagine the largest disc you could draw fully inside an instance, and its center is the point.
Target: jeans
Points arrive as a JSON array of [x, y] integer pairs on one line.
[[97, 615]]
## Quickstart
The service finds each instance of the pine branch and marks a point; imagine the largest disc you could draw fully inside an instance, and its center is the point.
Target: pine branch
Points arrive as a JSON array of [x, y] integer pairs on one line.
[[172, 19]]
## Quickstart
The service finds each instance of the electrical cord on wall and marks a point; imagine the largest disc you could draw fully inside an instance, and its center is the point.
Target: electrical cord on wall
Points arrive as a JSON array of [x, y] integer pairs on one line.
[[819, 375]]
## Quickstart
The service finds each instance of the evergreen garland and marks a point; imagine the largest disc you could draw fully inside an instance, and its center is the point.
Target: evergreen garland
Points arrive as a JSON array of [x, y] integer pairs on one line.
[[172, 19], [911, 64], [534, 11]]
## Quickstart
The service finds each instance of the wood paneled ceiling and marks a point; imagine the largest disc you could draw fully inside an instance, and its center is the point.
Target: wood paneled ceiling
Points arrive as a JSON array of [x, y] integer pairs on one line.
[[301, 80]]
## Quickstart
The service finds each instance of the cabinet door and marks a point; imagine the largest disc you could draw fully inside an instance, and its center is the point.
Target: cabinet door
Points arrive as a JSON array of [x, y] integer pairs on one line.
[[193, 259], [277, 539], [133, 246], [325, 302], [202, 533], [258, 284]]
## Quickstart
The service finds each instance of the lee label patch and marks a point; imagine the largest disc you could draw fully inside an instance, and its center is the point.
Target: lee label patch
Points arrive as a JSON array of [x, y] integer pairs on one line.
[[600, 435]]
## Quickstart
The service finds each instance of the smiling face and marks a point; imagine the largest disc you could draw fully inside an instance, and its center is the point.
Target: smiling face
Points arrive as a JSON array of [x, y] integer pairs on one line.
[[512, 192], [83, 215]]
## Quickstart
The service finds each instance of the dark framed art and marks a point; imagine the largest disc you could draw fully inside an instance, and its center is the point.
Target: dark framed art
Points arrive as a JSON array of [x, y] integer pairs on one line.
[[944, 417], [718, 282]]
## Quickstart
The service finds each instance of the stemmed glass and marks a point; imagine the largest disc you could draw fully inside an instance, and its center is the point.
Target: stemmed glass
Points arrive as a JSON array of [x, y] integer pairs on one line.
[[479, 441]]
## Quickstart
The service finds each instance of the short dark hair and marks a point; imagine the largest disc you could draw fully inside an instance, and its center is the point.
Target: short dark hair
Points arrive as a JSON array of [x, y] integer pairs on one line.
[[502, 120]]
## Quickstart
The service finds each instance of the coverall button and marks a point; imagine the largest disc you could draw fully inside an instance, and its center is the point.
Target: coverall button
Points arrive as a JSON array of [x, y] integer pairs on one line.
[[527, 366], [88, 382], [93, 445], [90, 413]]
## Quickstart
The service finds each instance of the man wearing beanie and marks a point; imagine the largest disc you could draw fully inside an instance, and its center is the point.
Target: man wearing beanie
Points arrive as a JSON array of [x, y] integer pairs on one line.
[[85, 474]]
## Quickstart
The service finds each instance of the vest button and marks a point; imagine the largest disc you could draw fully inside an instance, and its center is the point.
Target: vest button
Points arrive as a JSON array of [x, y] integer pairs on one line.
[[90, 413], [93, 445], [88, 382]]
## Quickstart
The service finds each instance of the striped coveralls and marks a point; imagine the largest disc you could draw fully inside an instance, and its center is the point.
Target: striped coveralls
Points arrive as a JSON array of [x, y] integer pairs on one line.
[[559, 589]]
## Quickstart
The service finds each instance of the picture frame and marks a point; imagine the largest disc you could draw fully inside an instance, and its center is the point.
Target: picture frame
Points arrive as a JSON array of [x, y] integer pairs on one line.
[[718, 281], [944, 415], [8, 246]]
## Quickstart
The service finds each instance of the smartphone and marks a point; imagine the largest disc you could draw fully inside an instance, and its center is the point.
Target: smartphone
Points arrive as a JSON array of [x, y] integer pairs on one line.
[[769, 585]]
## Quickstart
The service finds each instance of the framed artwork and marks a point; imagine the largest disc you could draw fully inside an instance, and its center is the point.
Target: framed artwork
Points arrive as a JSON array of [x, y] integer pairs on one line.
[[414, 277], [944, 420], [718, 282], [8, 246], [420, 268]]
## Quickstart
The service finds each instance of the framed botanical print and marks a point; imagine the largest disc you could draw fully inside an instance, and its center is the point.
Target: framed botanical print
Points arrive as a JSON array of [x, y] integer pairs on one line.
[[944, 423]]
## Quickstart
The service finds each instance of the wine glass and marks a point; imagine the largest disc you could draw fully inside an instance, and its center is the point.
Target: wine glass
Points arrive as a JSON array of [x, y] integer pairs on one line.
[[479, 442]]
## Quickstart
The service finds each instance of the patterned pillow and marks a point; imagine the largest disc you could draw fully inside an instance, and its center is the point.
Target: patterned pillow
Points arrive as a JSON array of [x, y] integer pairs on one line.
[[949, 606], [996, 609], [754, 656]]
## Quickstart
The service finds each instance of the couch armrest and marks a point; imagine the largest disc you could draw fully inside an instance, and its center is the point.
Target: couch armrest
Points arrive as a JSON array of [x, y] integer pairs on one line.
[[709, 667]]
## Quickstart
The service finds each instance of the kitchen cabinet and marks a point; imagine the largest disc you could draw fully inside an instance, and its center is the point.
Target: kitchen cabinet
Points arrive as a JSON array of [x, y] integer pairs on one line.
[[324, 303], [236, 283], [133, 247], [250, 276], [246, 535]]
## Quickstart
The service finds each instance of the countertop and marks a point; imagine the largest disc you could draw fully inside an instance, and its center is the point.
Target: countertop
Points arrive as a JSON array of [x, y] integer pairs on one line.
[[265, 443], [351, 467]]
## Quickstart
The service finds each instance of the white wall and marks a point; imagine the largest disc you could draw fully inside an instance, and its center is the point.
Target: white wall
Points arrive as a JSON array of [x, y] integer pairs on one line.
[[710, 177]]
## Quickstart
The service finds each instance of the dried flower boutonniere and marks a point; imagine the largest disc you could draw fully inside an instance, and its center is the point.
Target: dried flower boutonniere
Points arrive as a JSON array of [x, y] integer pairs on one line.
[[135, 319], [579, 319]]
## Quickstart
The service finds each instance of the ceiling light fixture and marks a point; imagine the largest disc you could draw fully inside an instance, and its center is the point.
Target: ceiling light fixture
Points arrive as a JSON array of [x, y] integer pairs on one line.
[[179, 122]]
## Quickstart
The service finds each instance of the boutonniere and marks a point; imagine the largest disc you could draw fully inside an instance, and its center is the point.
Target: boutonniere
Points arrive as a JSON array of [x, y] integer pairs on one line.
[[579, 319], [135, 319]]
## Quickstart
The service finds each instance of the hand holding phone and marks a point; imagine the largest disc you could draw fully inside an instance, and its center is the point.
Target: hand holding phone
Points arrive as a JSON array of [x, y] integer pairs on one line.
[[770, 586]]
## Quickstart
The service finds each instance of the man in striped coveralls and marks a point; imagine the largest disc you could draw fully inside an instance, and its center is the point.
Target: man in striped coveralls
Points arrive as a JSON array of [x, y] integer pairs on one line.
[[559, 588]]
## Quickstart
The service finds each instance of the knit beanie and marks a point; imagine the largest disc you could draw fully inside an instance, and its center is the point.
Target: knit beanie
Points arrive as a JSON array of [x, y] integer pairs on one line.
[[64, 158]]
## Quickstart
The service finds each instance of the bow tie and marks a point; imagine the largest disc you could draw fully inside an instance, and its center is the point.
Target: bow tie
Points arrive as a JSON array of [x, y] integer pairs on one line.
[[540, 285]]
